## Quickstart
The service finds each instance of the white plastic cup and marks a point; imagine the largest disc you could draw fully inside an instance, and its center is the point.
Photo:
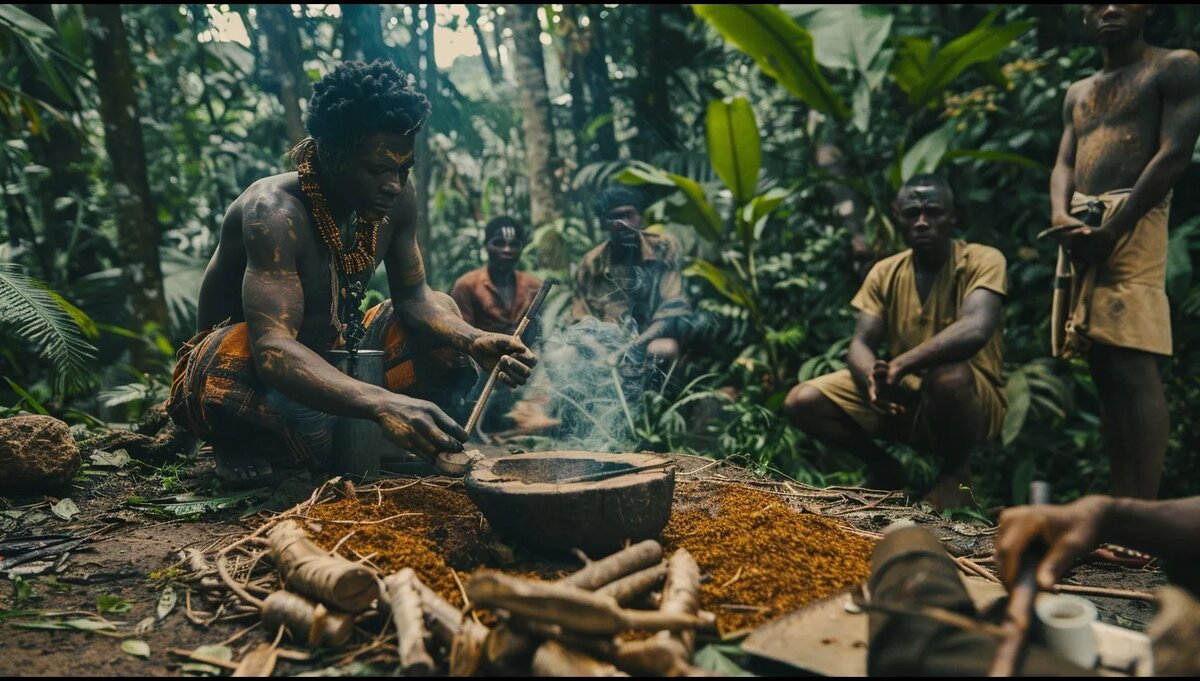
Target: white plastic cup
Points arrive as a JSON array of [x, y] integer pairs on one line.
[[1066, 627]]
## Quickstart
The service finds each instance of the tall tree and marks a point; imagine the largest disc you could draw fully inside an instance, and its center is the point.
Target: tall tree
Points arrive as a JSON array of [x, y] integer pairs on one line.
[[573, 50], [595, 64], [58, 148], [362, 33], [286, 61], [651, 97], [485, 53], [541, 152], [421, 54], [137, 229]]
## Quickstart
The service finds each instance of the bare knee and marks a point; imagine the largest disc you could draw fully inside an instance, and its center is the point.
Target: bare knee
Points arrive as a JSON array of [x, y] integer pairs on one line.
[[950, 382], [803, 404]]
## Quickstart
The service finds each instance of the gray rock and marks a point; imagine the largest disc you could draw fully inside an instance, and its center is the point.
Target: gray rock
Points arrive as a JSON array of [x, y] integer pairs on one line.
[[37, 453]]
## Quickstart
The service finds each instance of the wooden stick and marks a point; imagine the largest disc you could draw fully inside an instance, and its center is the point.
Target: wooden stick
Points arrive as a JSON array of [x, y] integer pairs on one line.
[[491, 382], [1102, 592], [405, 603], [1020, 599]]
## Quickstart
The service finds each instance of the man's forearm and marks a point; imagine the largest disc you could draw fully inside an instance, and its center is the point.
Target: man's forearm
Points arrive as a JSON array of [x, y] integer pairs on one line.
[[1152, 186], [301, 374], [860, 359], [1062, 186], [958, 342], [1169, 527], [423, 314]]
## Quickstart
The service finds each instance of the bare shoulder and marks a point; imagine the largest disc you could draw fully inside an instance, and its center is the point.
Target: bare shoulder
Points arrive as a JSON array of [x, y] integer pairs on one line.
[[1078, 89], [1179, 64], [272, 206]]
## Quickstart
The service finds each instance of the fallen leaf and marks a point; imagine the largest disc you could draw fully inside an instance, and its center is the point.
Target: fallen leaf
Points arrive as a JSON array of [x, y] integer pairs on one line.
[[90, 625], [65, 509], [144, 626], [105, 459], [166, 603], [199, 669], [258, 662], [107, 603], [136, 648], [222, 653]]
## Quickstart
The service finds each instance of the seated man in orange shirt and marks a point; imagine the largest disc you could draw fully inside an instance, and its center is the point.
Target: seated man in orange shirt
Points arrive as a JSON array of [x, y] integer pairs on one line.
[[494, 298]]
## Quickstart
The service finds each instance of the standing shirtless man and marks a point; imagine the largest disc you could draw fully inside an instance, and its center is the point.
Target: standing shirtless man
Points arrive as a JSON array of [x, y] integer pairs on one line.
[[1128, 135]]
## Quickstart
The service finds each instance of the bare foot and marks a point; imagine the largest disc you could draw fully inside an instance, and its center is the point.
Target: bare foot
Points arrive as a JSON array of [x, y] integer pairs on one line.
[[1111, 553], [950, 491], [237, 470]]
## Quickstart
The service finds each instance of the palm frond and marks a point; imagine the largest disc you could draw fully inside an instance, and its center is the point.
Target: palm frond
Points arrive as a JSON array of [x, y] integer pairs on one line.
[[36, 317]]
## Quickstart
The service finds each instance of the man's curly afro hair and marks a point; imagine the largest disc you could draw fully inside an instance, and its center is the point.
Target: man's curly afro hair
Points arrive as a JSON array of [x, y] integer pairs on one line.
[[357, 99]]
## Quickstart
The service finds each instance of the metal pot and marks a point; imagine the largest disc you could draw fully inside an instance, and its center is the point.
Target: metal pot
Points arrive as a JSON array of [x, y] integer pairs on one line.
[[357, 443]]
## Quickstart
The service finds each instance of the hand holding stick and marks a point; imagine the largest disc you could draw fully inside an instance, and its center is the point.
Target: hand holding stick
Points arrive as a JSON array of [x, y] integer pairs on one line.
[[1020, 600], [530, 313]]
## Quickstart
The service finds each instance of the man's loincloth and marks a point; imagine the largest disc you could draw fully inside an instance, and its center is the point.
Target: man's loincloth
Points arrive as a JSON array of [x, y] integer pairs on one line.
[[216, 392], [1121, 302]]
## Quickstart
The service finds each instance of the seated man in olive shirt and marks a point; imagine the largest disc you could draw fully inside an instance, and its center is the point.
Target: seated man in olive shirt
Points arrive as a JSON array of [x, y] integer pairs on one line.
[[634, 279], [936, 310]]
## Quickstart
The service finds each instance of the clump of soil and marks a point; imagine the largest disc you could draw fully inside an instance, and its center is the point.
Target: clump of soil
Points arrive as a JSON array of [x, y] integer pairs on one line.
[[765, 558], [427, 528]]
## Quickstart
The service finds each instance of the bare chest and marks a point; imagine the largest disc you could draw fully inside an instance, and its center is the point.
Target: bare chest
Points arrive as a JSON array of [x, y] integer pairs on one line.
[[1126, 100]]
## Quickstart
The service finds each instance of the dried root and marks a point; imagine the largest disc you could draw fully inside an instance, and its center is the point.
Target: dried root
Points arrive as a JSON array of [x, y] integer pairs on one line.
[[630, 589], [306, 622], [407, 615], [668, 653], [571, 608], [334, 581], [555, 659], [596, 574]]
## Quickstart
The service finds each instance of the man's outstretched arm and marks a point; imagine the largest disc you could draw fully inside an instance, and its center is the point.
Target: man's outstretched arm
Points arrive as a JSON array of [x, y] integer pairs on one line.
[[1071, 531], [414, 303]]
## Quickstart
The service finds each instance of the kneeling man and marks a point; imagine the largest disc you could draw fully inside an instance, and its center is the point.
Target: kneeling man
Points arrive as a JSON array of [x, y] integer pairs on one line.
[[936, 311]]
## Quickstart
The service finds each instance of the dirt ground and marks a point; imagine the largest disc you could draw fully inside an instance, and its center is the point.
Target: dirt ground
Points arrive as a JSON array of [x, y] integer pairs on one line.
[[131, 541]]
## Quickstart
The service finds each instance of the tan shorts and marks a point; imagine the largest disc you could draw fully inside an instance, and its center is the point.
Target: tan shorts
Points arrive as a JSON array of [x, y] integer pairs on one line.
[[913, 426]]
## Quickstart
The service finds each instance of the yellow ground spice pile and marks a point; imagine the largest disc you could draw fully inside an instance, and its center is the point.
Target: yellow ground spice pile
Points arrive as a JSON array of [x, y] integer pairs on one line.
[[765, 558], [441, 531]]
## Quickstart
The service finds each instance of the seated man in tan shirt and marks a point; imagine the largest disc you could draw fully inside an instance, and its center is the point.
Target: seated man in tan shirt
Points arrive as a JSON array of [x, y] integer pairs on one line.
[[936, 313], [634, 279]]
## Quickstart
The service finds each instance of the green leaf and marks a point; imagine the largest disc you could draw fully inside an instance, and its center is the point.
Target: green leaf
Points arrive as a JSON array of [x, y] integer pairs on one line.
[[29, 399], [849, 36], [700, 214], [35, 314], [90, 625], [715, 658], [927, 154], [1022, 477], [192, 504], [112, 603], [65, 509], [753, 215], [725, 285], [1017, 394], [734, 148], [911, 62], [1179, 261], [780, 47], [136, 648], [978, 45], [25, 23]]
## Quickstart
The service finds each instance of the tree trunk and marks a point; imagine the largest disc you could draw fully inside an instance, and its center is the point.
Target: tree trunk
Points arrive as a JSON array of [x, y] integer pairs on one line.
[[137, 230], [286, 60], [485, 54], [651, 101], [595, 64], [60, 150], [362, 33], [425, 71], [574, 48], [540, 149]]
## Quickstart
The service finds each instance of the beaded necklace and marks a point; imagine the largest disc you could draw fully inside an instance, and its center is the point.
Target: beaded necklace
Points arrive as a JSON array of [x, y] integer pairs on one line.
[[362, 256], [349, 319]]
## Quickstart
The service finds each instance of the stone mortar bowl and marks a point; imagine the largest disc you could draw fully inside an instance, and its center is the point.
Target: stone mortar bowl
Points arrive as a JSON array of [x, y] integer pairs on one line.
[[553, 502]]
